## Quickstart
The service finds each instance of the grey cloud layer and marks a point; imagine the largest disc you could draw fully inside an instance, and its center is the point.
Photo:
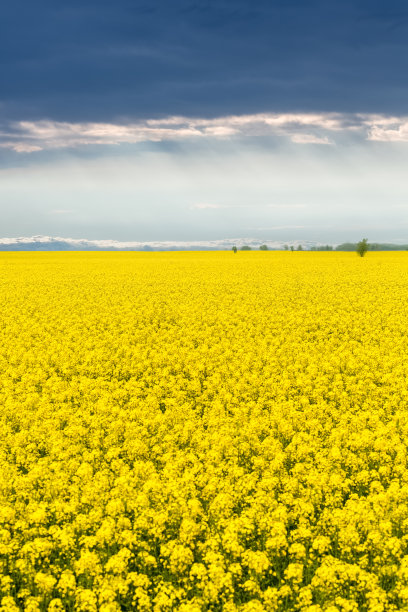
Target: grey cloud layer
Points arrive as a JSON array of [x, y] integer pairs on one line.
[[299, 128]]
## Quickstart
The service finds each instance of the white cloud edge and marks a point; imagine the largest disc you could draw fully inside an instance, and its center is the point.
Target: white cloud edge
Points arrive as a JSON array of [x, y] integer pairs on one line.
[[311, 139], [298, 128]]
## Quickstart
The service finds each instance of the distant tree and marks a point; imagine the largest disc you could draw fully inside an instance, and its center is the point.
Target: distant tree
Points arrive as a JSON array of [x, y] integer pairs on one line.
[[263, 247], [292, 248], [362, 247], [373, 246], [346, 246], [234, 248], [246, 248], [300, 248], [285, 246]]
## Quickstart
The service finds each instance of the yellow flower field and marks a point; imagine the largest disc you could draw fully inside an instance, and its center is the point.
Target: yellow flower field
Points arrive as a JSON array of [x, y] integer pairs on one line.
[[204, 431]]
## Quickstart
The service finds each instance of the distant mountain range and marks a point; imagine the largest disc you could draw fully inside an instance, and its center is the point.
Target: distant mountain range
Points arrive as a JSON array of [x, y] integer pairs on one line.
[[49, 243]]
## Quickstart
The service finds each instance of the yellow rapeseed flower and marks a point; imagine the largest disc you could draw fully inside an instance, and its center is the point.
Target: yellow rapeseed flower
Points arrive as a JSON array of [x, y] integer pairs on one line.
[[199, 431]]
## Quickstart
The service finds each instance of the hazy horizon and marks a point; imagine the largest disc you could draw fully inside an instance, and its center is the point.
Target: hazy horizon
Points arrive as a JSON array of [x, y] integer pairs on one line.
[[58, 243]]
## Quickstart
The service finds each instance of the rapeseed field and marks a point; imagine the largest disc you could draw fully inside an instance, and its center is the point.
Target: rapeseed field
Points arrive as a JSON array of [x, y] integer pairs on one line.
[[204, 431]]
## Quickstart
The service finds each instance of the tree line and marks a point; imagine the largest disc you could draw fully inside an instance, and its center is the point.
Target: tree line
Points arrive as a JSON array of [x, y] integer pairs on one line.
[[360, 247]]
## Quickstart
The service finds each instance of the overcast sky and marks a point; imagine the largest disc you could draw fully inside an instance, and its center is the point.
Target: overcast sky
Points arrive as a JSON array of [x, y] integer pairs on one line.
[[204, 119]]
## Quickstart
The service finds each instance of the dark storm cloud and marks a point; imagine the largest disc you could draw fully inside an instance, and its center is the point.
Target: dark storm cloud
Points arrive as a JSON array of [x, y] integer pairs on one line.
[[102, 60]]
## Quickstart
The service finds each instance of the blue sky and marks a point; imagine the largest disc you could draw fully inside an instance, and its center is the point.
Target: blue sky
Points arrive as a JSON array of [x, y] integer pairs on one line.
[[195, 120]]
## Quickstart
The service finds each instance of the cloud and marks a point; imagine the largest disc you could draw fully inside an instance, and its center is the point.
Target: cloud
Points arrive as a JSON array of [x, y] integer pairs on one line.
[[298, 128], [394, 132], [310, 139], [20, 147]]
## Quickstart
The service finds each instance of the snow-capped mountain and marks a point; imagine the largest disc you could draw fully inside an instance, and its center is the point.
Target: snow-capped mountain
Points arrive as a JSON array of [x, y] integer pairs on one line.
[[49, 243]]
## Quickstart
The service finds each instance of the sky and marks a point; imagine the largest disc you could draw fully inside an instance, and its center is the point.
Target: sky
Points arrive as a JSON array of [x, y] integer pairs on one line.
[[204, 119]]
